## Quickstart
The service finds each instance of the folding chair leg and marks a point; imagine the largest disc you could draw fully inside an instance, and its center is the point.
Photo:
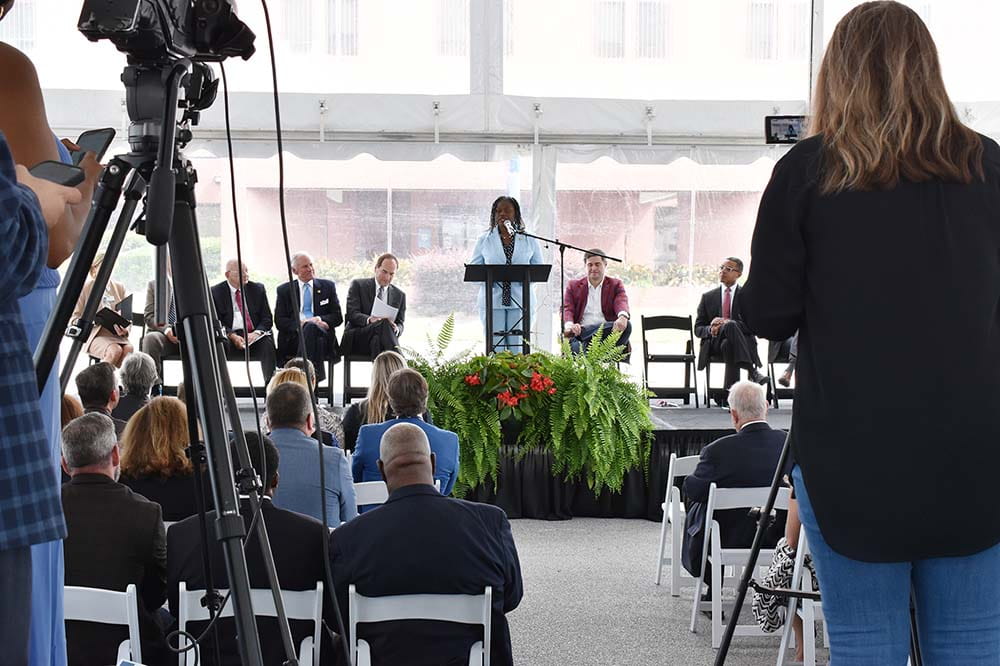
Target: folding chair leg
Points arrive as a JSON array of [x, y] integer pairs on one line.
[[694, 376], [697, 600], [663, 545], [786, 633], [808, 634], [716, 590], [675, 558]]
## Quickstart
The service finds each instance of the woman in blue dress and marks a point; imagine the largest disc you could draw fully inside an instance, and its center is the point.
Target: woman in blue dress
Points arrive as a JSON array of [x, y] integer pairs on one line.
[[500, 246]]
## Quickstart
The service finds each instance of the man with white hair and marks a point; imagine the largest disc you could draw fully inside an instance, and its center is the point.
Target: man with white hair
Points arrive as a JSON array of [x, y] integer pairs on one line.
[[244, 312], [138, 375], [313, 302], [747, 459], [114, 537], [421, 542]]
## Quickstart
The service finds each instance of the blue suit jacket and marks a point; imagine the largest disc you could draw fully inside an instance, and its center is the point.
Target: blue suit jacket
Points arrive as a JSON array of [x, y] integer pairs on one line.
[[444, 445], [299, 488]]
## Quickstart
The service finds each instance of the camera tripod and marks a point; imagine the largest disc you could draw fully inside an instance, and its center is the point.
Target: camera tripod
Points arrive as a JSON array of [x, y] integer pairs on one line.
[[155, 166]]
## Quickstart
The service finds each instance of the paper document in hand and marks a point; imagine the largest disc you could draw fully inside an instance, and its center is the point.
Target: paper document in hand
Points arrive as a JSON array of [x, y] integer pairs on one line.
[[261, 337], [382, 309]]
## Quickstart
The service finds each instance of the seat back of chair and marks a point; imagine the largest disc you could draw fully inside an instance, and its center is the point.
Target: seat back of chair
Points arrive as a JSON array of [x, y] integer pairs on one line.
[[298, 604], [370, 492], [107, 607], [461, 608], [720, 499], [678, 467]]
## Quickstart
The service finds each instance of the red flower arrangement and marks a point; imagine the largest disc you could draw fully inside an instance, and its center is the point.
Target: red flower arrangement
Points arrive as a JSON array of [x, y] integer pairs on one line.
[[473, 380]]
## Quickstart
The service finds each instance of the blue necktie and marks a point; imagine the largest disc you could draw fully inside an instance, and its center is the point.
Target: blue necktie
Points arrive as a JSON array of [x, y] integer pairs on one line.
[[307, 302]]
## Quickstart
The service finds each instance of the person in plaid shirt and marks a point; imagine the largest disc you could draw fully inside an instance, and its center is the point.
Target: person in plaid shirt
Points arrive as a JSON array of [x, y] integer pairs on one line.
[[30, 509]]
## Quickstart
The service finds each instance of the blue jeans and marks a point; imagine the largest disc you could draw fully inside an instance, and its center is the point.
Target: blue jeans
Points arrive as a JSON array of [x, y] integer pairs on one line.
[[867, 605]]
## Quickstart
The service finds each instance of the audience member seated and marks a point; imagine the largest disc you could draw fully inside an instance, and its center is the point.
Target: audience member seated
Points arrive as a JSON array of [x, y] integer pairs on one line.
[[312, 301], [328, 421], [723, 332], [160, 339], [138, 375], [747, 459], [363, 333], [290, 414], [408, 400], [155, 463], [297, 376], [98, 391], [595, 303], [111, 346], [239, 314], [115, 537], [375, 407], [297, 547], [421, 542], [70, 409]]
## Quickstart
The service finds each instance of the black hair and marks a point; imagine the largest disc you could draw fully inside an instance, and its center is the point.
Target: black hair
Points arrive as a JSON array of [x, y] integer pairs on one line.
[[95, 384], [737, 261], [517, 212]]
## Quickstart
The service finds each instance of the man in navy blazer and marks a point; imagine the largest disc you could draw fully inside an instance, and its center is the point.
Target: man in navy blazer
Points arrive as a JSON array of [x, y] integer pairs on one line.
[[408, 400], [313, 301], [363, 333], [421, 542], [747, 459], [595, 303], [249, 325]]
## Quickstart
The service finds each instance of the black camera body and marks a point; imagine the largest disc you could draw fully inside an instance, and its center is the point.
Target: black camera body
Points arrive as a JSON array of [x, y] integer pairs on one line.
[[160, 31]]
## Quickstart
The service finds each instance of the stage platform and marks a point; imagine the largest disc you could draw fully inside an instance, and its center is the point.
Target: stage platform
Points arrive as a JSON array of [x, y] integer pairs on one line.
[[526, 487]]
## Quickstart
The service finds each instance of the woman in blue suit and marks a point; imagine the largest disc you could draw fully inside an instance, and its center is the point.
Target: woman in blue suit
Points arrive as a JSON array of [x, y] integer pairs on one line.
[[500, 246]]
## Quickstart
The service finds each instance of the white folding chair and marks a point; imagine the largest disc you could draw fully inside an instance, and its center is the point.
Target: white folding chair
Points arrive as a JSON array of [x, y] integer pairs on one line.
[[720, 499], [673, 513], [461, 608], [810, 611], [376, 492], [108, 607], [304, 605]]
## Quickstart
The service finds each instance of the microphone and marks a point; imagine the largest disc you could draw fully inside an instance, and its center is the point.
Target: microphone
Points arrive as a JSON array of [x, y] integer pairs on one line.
[[509, 227]]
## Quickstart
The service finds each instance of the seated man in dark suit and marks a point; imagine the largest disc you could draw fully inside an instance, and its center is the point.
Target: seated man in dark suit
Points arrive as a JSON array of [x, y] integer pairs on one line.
[[313, 301], [98, 389], [114, 537], [747, 459], [245, 309], [595, 303], [365, 334], [297, 547], [721, 328], [408, 400], [138, 375], [421, 542]]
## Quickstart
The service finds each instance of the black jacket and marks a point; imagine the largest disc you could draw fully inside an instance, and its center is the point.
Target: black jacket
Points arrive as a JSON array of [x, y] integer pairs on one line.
[[360, 299], [114, 537], [127, 406], [746, 459], [895, 295], [175, 494], [255, 301], [297, 546], [709, 308], [326, 306], [420, 542]]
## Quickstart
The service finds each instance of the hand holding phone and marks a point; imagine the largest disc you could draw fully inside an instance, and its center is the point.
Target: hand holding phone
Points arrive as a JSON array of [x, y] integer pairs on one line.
[[96, 141], [52, 197]]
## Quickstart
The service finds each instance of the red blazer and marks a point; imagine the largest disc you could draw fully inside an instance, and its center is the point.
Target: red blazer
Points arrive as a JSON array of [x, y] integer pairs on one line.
[[613, 299]]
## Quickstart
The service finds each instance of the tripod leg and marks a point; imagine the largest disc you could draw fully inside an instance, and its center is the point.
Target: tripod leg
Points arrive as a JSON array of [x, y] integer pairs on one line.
[[193, 311], [105, 200], [83, 326]]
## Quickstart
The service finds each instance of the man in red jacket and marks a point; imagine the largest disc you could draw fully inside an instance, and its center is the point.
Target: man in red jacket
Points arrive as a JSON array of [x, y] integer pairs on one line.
[[593, 303]]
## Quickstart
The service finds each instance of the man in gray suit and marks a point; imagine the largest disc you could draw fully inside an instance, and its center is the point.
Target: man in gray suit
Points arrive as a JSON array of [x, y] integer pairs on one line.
[[160, 339], [365, 334]]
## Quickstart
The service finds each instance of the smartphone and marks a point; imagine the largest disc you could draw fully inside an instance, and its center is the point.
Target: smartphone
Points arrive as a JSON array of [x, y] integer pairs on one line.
[[59, 173], [784, 129], [96, 141]]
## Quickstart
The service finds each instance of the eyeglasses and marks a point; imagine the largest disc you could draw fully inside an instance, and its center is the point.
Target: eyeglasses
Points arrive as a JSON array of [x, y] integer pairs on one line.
[[729, 269]]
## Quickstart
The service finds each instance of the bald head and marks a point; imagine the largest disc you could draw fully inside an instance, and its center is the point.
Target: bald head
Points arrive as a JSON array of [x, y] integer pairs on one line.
[[405, 457], [233, 273]]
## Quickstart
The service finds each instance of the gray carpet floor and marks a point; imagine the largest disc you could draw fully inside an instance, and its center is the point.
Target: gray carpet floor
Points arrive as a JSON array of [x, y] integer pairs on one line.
[[589, 598]]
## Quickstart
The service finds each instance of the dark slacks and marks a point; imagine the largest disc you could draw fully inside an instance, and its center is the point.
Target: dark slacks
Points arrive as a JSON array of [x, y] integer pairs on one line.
[[261, 351], [587, 333], [15, 581], [157, 346], [372, 339], [318, 345], [738, 350]]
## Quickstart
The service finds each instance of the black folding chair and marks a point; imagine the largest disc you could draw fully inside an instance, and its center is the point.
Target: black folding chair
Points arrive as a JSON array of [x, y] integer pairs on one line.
[[667, 322]]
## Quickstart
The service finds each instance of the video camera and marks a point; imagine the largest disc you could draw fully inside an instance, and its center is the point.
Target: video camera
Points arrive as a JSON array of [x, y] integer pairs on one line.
[[160, 31]]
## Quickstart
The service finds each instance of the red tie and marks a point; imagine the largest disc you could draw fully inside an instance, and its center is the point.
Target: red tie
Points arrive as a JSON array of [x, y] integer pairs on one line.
[[246, 317], [727, 304]]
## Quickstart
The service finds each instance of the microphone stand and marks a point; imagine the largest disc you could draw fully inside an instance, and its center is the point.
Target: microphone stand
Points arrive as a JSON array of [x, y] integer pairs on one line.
[[562, 259]]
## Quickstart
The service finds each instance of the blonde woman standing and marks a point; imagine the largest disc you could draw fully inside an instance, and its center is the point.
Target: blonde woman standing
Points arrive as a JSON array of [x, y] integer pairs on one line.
[[878, 238]]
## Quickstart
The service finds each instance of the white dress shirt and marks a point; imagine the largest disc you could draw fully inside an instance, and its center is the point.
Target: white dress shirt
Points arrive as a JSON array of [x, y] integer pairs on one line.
[[593, 314], [238, 323]]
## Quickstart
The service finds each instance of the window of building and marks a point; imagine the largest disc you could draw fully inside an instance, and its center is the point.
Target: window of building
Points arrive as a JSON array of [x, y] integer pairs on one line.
[[454, 26], [298, 25], [651, 29], [609, 29], [18, 29], [762, 30], [342, 27]]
